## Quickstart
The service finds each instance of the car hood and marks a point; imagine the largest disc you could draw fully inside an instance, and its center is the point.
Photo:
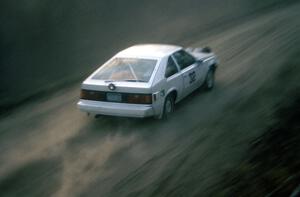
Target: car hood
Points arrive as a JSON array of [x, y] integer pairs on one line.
[[201, 56]]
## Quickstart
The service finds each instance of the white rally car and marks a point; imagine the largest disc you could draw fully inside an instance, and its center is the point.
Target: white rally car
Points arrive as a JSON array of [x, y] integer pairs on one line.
[[147, 80]]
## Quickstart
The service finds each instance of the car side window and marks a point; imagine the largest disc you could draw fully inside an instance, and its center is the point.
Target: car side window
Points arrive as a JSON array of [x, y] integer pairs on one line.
[[171, 68], [184, 59]]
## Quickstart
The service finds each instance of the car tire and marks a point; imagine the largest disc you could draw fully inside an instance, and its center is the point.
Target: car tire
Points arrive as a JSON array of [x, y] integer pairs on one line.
[[169, 107], [209, 80]]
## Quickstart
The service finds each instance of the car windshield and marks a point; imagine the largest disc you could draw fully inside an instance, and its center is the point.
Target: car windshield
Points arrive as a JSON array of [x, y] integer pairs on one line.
[[127, 69]]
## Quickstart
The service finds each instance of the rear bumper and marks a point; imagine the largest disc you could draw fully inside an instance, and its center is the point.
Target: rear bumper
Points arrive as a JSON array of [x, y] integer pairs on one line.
[[115, 109]]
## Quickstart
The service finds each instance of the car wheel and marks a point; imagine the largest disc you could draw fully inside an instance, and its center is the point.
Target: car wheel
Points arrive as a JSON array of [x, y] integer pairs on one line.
[[168, 107], [210, 80]]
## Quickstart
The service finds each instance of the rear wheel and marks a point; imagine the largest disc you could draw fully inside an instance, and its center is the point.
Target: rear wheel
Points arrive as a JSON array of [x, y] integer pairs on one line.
[[209, 80], [169, 106]]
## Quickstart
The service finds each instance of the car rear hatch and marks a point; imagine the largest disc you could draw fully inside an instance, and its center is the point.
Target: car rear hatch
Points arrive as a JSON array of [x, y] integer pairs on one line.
[[117, 91]]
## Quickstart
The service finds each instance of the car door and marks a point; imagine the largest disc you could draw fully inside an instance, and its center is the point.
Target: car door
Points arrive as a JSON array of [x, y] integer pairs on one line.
[[188, 70], [173, 77], [201, 71]]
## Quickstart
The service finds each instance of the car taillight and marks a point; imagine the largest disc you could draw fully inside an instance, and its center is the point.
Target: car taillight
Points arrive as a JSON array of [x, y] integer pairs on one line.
[[83, 94], [92, 95], [139, 98]]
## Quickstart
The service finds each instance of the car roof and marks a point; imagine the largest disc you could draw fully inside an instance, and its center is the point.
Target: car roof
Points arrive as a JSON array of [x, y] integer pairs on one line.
[[149, 50]]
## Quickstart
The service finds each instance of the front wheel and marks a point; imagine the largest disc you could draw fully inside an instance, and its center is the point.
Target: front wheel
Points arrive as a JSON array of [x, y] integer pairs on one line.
[[169, 106], [209, 80]]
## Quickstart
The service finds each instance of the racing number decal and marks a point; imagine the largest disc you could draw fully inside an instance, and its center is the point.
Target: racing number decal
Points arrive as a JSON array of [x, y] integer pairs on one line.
[[192, 76]]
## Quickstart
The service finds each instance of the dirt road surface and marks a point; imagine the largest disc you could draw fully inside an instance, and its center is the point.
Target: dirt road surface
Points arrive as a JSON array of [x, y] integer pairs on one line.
[[49, 148]]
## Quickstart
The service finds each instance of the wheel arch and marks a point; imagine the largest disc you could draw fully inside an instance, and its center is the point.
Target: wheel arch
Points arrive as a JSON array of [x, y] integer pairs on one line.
[[173, 92]]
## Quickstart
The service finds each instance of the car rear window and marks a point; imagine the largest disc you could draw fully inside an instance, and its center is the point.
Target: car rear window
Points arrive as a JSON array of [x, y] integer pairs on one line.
[[127, 69]]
